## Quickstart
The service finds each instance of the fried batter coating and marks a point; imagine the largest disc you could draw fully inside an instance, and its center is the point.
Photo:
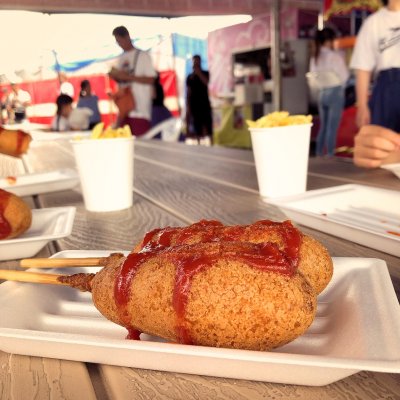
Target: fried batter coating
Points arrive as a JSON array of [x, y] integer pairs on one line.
[[211, 294], [15, 215], [315, 262], [14, 142]]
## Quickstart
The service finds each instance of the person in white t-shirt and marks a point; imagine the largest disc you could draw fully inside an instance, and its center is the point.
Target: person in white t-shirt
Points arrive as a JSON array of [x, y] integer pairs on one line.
[[135, 69], [377, 52], [16, 103], [329, 70]]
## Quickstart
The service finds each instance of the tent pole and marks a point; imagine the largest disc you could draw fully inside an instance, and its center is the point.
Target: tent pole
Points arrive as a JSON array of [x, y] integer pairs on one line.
[[275, 56]]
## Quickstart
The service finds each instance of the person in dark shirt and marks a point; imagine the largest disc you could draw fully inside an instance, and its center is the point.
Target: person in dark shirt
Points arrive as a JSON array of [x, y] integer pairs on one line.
[[198, 107], [159, 112], [89, 100]]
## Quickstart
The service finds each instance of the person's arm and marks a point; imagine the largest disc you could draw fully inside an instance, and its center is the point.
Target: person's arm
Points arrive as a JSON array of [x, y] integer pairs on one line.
[[363, 79], [143, 73], [123, 76], [146, 80], [375, 146]]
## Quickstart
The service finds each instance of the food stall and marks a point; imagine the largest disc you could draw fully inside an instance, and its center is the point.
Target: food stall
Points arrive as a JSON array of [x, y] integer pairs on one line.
[[241, 81]]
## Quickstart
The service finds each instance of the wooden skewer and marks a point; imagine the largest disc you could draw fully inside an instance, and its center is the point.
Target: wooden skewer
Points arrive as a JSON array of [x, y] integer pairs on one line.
[[61, 262], [32, 277]]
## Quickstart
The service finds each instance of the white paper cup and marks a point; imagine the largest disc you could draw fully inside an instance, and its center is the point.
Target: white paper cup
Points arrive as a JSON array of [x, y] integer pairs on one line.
[[281, 158], [105, 168]]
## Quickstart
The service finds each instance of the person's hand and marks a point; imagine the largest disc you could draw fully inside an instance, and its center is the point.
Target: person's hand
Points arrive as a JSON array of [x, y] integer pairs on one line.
[[375, 145], [118, 75], [363, 116], [196, 69]]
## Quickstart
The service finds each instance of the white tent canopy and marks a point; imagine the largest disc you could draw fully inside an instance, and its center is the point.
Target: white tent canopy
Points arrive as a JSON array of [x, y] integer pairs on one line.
[[155, 7], [73, 37]]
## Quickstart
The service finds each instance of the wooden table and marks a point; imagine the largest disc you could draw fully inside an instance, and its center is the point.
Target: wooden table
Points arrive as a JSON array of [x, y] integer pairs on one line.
[[177, 184]]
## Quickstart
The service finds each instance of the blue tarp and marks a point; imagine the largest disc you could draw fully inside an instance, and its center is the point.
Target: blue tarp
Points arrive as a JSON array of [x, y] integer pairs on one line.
[[73, 66], [183, 47], [186, 47]]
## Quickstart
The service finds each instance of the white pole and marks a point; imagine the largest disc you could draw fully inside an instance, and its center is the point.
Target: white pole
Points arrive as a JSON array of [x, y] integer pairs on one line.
[[275, 56]]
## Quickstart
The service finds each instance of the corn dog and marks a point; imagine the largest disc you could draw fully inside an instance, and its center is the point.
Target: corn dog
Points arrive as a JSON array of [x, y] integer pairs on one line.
[[14, 142], [15, 215], [202, 285], [210, 294]]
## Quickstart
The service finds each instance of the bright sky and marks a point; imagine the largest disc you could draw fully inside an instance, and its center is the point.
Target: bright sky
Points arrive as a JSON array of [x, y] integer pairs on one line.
[[32, 36]]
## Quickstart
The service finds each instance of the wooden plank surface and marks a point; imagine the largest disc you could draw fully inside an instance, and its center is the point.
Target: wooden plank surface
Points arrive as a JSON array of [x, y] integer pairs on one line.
[[241, 170], [347, 172], [128, 383], [209, 152], [24, 377]]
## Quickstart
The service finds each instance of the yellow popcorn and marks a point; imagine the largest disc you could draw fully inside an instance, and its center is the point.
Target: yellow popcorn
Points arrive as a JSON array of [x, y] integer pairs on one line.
[[99, 132], [279, 118]]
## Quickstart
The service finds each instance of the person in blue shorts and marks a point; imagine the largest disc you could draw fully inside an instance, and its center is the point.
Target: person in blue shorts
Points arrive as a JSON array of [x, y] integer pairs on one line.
[[377, 54]]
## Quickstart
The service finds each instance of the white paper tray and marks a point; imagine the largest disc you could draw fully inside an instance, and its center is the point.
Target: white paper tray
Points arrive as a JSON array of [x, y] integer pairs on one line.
[[31, 184], [47, 224], [357, 328], [363, 214]]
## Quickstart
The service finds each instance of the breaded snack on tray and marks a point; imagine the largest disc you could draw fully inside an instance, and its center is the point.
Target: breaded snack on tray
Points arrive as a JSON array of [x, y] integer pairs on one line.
[[210, 294], [15, 215], [217, 291], [314, 260], [14, 142]]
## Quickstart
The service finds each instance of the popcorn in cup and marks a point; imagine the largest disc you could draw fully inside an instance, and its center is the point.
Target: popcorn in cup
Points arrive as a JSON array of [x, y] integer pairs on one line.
[[281, 145], [105, 166]]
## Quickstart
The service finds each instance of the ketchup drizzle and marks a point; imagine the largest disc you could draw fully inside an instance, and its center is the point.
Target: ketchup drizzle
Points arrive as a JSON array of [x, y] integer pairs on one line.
[[133, 334], [5, 226], [20, 141], [190, 259]]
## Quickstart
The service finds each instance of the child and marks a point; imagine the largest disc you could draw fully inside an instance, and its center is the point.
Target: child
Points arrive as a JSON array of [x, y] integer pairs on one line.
[[88, 100], [64, 108]]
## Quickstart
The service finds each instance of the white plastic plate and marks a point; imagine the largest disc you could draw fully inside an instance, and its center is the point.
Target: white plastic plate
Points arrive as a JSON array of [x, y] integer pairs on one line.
[[363, 214], [30, 184], [395, 168], [357, 328], [39, 136], [27, 126], [47, 224]]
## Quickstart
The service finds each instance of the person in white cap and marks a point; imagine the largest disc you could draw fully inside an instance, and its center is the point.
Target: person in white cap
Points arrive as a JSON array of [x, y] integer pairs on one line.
[[16, 103]]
